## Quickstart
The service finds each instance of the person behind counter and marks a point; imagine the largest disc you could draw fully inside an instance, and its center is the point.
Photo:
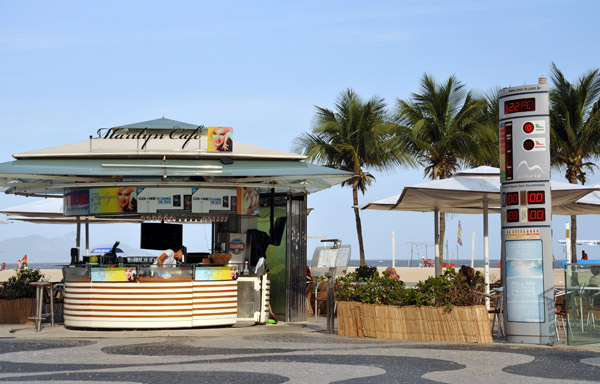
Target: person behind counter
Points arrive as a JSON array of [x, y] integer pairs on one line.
[[595, 279], [170, 257]]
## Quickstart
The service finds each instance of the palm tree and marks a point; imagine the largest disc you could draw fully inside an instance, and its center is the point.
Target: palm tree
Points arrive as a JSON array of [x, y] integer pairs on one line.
[[575, 130], [445, 126], [355, 136], [489, 140]]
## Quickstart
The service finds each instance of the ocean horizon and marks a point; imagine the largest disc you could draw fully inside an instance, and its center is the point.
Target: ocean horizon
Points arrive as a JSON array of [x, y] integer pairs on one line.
[[381, 263]]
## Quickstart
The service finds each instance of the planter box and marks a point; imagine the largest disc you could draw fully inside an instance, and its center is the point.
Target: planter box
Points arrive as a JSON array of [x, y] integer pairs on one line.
[[17, 311], [461, 324]]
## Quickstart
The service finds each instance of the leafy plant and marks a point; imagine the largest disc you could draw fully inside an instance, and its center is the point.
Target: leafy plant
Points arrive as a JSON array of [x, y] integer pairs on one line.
[[365, 272], [452, 288], [18, 286]]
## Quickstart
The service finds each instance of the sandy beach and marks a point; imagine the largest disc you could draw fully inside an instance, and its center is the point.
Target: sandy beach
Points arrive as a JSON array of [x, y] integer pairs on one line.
[[409, 275], [49, 274], [413, 275]]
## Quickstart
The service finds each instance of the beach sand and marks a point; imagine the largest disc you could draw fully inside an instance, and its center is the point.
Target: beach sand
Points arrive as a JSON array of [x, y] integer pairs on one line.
[[409, 275], [49, 274]]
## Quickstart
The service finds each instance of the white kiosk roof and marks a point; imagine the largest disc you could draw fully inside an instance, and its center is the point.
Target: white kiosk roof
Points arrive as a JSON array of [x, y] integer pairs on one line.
[[160, 153]]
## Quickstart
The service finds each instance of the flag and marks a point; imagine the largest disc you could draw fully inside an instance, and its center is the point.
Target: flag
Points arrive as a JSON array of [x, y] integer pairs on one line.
[[459, 233]]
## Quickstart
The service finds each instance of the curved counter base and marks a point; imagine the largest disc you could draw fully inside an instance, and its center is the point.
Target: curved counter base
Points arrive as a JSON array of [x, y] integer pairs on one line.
[[137, 305]]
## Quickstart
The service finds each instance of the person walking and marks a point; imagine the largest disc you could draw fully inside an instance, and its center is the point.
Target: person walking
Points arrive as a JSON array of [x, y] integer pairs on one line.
[[25, 261]]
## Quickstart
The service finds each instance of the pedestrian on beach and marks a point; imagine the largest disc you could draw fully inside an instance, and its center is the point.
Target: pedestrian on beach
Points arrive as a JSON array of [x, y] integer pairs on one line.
[[19, 264], [25, 261]]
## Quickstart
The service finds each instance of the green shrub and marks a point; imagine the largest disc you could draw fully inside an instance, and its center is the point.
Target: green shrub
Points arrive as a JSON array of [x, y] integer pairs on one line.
[[18, 286], [447, 290], [366, 272]]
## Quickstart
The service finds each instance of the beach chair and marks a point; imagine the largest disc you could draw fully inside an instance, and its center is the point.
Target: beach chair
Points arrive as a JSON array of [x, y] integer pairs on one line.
[[561, 314], [428, 263]]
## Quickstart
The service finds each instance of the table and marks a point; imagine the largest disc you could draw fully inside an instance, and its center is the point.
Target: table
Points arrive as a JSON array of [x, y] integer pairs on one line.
[[579, 293]]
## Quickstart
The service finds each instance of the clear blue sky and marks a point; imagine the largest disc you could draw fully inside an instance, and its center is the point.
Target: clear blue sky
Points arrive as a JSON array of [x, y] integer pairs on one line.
[[68, 68]]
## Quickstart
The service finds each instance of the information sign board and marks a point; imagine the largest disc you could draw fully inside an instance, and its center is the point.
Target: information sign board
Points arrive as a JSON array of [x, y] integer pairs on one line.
[[526, 213], [526, 204], [524, 134]]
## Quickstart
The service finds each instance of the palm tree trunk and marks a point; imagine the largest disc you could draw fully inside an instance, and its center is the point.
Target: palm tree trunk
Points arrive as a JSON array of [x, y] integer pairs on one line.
[[358, 226], [573, 180], [442, 233]]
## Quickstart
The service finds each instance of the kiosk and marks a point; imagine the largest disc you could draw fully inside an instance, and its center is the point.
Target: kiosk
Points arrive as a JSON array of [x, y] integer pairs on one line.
[[171, 172]]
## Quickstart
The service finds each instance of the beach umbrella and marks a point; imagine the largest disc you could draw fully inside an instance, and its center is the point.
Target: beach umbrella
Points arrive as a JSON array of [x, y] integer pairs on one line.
[[587, 205], [51, 211], [474, 191], [51, 207]]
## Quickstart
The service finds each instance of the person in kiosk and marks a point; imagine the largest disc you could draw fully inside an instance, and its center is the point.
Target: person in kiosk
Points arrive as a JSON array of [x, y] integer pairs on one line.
[[170, 256]]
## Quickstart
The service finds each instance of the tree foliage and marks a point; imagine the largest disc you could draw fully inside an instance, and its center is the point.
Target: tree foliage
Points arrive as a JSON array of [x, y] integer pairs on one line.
[[355, 136], [575, 130], [445, 126]]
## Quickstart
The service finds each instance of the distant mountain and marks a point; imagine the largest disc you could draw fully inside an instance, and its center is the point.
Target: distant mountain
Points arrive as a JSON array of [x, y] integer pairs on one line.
[[40, 249]]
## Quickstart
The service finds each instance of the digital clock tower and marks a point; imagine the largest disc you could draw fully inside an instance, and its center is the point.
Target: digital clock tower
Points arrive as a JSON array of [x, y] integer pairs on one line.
[[527, 266]]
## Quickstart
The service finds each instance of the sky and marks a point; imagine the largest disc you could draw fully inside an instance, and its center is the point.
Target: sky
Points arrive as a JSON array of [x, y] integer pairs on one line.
[[68, 68]]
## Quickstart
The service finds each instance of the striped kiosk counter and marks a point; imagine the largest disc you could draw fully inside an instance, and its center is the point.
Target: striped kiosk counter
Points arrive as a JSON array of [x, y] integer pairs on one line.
[[137, 297]]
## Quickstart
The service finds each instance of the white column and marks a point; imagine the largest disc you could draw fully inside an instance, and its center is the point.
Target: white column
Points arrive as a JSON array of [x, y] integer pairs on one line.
[[393, 249], [438, 266], [568, 239], [87, 236], [473, 251]]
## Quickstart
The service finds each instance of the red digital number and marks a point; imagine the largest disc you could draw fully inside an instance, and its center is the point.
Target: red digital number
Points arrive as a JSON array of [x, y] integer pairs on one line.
[[536, 214], [536, 197], [512, 215], [519, 105], [512, 198]]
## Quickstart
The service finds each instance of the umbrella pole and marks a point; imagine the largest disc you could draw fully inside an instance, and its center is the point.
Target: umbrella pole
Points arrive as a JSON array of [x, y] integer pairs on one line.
[[438, 267], [393, 250], [486, 252]]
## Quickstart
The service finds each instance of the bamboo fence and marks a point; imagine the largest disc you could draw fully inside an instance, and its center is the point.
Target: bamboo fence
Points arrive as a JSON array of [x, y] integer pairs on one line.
[[460, 324], [17, 311]]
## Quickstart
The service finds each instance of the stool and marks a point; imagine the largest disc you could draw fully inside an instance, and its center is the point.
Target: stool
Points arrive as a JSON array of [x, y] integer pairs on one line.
[[39, 303], [498, 310]]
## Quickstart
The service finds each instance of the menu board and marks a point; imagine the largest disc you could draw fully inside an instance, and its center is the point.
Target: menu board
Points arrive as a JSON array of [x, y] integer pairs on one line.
[[114, 274], [327, 257]]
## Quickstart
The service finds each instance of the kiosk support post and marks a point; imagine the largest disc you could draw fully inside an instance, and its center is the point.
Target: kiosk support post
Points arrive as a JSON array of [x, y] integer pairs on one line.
[[330, 301]]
